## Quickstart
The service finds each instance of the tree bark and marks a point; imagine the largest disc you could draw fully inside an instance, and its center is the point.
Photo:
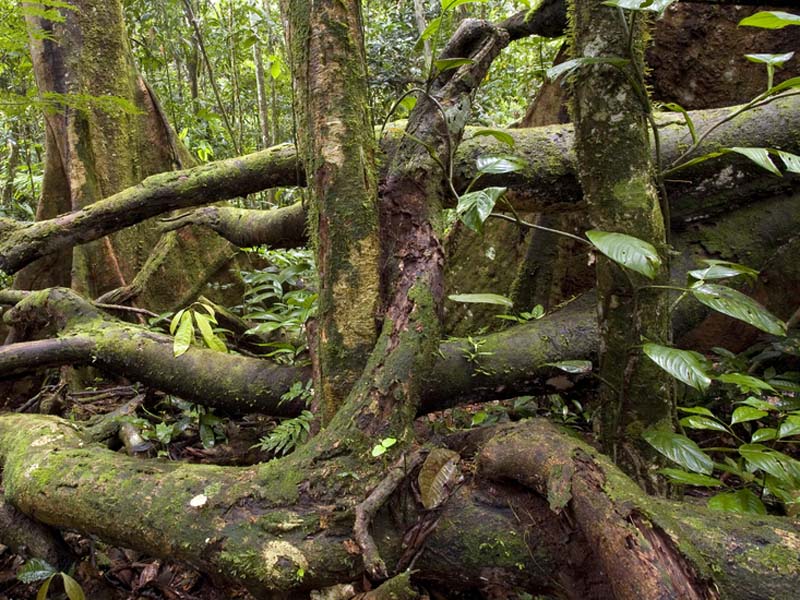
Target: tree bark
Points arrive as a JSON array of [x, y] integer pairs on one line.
[[95, 149], [292, 522], [619, 181], [549, 183], [337, 141]]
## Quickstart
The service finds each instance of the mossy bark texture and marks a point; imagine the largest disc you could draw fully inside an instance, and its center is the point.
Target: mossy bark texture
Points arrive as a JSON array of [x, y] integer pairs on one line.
[[618, 177], [337, 141], [105, 133]]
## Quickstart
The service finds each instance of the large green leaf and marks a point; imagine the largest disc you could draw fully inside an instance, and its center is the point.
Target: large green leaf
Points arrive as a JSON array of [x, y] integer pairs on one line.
[[680, 449], [206, 331], [770, 19], [697, 410], [482, 299], [445, 64], [497, 165], [656, 6], [700, 422], [35, 570], [742, 501], [498, 134], [569, 66], [742, 414], [764, 434], [735, 304], [475, 207], [184, 335], [722, 269], [777, 464], [790, 427], [572, 366], [760, 156], [775, 60], [628, 251], [72, 588], [685, 478], [790, 161], [451, 4], [746, 383], [684, 365]]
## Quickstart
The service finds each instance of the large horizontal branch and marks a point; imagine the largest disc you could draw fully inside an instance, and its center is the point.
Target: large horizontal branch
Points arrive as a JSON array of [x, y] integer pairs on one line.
[[156, 195], [515, 365], [286, 524], [547, 184]]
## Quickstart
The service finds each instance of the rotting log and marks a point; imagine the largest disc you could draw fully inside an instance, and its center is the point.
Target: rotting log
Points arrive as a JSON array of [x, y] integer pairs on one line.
[[547, 184]]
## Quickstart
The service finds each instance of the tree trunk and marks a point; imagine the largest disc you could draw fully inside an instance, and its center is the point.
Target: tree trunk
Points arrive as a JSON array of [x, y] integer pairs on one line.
[[618, 178], [95, 149], [338, 146]]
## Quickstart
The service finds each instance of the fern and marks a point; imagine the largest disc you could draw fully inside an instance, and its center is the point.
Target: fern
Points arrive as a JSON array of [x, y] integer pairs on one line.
[[288, 435]]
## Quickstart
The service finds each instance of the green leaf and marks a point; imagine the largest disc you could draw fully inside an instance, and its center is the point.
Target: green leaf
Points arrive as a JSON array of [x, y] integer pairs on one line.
[[790, 161], [628, 251], [770, 19], [482, 299], [735, 304], [686, 478], [175, 321], [451, 4], [207, 437], [721, 269], [497, 165], [686, 117], [73, 588], [42, 593], [758, 403], [445, 64], [746, 413], [34, 570], [685, 365], [742, 501], [567, 67], [429, 31], [697, 410], [746, 383], [209, 337], [790, 427], [680, 449], [500, 136], [656, 6], [760, 156], [775, 60], [184, 335], [388, 442], [782, 86], [572, 366], [764, 434], [475, 207], [769, 461], [699, 422]]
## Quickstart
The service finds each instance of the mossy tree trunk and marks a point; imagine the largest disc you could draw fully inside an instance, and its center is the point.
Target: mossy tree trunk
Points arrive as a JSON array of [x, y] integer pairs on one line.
[[618, 177], [337, 141], [106, 132]]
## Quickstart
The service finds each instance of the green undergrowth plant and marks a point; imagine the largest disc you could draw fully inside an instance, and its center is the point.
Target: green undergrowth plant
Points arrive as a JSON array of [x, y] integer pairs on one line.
[[290, 433], [200, 316], [36, 570], [279, 300], [178, 420]]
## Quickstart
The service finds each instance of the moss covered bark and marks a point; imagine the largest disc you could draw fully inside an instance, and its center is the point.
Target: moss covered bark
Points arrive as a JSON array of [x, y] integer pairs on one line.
[[105, 133], [618, 178], [326, 47]]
